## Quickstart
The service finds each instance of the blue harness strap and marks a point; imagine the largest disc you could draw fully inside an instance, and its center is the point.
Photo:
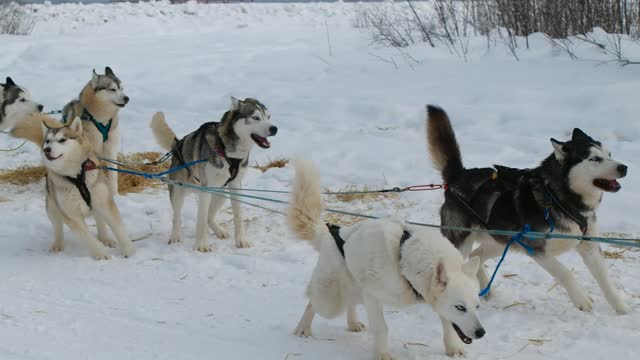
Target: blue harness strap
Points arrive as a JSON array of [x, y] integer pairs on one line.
[[104, 129], [517, 238]]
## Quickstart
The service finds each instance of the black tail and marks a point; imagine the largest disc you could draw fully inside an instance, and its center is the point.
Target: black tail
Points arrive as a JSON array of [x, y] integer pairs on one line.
[[442, 144]]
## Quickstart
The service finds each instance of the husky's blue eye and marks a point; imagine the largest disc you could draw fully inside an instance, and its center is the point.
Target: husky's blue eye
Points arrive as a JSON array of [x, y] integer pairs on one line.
[[23, 100], [461, 308], [255, 118], [596, 159]]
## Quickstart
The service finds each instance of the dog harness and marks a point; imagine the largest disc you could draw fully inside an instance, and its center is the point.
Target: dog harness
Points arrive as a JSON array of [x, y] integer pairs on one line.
[[335, 233], [86, 116], [79, 181], [234, 163], [575, 215]]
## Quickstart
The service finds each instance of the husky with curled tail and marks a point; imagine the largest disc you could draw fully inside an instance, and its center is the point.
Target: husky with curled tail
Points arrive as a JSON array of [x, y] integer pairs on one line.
[[567, 186], [382, 262]]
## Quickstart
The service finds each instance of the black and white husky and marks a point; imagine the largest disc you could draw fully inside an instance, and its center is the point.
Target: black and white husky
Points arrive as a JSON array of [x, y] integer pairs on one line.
[[568, 185], [226, 146], [15, 104]]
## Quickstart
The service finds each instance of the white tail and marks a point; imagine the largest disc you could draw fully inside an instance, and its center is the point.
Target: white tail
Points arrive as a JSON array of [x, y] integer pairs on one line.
[[165, 137], [306, 204]]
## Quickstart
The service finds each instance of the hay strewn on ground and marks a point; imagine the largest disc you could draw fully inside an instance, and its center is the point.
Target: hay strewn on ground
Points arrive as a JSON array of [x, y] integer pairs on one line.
[[23, 175], [277, 163]]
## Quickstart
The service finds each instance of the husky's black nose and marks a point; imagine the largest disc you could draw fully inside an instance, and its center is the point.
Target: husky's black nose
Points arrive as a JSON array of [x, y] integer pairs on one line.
[[480, 333], [47, 150], [273, 130], [622, 169], [40, 107], [126, 99]]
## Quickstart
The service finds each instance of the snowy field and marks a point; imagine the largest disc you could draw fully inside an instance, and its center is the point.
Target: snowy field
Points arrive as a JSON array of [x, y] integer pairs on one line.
[[361, 120]]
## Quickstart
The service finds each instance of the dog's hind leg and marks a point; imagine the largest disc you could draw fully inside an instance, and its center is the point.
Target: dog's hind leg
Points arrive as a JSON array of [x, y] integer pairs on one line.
[[216, 204], [176, 195], [304, 325], [592, 256], [202, 242], [453, 346], [81, 230], [57, 220], [378, 326], [238, 226], [564, 277], [353, 324]]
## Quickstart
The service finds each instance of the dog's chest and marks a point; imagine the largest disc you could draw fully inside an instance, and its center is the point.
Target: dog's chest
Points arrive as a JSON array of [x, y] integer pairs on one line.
[[555, 246], [68, 195]]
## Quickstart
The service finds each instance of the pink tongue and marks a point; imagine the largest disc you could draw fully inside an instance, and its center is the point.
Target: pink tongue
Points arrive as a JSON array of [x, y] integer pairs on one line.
[[614, 183], [265, 142]]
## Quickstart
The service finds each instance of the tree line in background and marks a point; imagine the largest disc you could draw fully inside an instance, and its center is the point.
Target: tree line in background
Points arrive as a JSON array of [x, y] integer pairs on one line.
[[507, 22]]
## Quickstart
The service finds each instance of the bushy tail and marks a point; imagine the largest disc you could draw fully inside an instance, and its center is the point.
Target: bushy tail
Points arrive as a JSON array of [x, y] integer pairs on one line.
[[306, 204], [31, 127], [165, 137], [442, 144]]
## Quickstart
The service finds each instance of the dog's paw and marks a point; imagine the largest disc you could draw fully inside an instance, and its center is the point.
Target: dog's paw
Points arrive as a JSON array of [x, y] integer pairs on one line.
[[203, 247], [355, 326], [109, 242], [219, 231], [455, 350], [242, 244], [302, 331], [101, 256], [128, 251], [621, 307], [175, 239], [582, 301], [56, 247], [384, 356]]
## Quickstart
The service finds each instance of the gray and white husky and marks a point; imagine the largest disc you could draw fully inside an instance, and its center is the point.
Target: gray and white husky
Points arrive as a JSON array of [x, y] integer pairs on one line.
[[15, 104], [74, 188], [382, 262], [98, 106], [568, 186], [226, 145]]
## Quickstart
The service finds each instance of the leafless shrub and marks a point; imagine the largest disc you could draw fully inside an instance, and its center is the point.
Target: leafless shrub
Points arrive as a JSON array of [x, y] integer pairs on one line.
[[14, 19]]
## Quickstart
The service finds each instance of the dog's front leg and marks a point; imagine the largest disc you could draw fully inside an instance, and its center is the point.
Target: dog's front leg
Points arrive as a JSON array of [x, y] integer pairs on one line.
[[453, 346], [592, 256], [375, 314], [81, 230], [237, 216], [202, 243], [565, 278], [111, 215], [304, 325], [110, 151], [353, 324], [53, 211]]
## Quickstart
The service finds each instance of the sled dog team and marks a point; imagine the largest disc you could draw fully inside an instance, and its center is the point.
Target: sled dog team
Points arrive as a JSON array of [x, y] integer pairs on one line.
[[375, 262]]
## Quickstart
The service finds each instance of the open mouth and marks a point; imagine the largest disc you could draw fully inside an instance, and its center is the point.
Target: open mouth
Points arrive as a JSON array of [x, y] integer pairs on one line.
[[261, 141], [120, 105], [465, 339], [51, 158], [607, 185]]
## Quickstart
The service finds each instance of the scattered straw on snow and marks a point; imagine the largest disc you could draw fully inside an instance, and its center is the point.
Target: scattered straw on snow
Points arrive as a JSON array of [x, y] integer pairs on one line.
[[277, 163]]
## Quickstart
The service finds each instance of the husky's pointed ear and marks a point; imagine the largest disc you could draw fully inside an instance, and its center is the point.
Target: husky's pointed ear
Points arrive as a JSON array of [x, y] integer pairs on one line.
[[579, 134], [471, 266], [9, 83], [45, 128], [76, 125], [235, 104], [108, 71], [558, 149], [94, 79], [440, 275]]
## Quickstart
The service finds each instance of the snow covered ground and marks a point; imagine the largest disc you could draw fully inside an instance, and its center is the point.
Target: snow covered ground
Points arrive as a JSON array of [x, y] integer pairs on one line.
[[361, 119]]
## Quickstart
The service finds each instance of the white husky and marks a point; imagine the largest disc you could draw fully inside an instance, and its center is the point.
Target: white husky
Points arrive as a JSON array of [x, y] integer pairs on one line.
[[378, 262]]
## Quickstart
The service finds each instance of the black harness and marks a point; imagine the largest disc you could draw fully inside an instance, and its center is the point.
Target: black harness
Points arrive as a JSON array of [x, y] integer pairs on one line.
[[79, 181], [335, 233], [220, 150], [550, 197]]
